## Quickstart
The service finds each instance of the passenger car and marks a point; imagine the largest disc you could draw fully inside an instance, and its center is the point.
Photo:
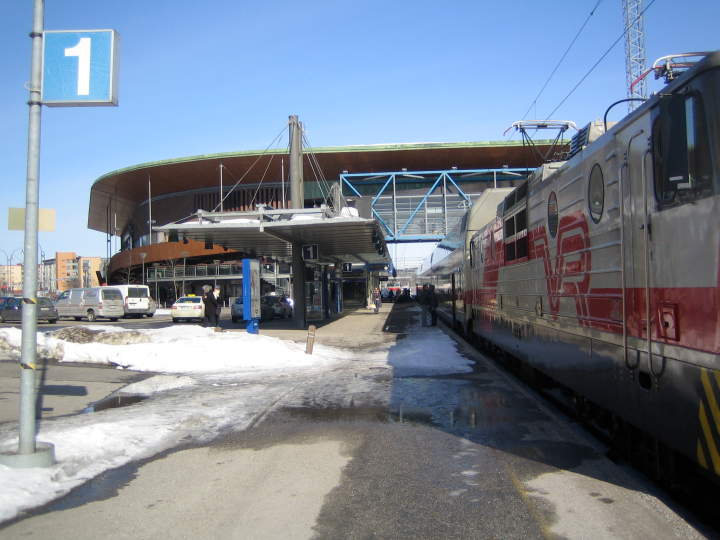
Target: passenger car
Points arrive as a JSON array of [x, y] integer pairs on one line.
[[91, 302], [277, 306], [267, 311], [188, 307], [11, 310], [136, 300]]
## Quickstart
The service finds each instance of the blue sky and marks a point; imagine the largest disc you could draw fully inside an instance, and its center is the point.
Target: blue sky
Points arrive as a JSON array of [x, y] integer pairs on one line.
[[223, 75]]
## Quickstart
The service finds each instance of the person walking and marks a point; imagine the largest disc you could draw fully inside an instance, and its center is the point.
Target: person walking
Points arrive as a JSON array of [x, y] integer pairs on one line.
[[432, 305], [210, 302], [423, 298], [377, 299]]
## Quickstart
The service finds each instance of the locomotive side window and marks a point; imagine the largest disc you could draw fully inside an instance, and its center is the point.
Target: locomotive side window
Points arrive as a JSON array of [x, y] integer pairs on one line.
[[683, 170], [596, 193], [552, 212], [515, 224]]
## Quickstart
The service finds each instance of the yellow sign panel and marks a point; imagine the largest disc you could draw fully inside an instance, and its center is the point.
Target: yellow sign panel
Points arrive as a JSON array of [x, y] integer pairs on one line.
[[46, 219]]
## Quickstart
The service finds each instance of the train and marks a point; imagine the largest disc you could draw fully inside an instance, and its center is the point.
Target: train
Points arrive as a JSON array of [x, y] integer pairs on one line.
[[601, 273]]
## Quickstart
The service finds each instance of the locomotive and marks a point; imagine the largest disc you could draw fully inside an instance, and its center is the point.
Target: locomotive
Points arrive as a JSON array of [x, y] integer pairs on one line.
[[601, 272]]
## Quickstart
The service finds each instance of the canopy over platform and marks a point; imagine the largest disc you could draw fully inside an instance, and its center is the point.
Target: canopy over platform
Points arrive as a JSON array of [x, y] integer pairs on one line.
[[271, 232]]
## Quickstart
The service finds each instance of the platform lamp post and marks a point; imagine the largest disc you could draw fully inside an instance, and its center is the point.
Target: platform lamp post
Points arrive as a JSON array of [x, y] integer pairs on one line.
[[184, 255], [142, 257], [30, 452]]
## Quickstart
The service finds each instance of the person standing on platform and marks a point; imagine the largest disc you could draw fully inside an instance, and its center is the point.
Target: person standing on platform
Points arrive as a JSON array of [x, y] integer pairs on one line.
[[218, 309], [210, 302]]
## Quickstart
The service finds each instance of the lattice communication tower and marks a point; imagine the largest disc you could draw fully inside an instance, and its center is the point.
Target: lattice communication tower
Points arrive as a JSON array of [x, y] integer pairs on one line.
[[635, 60]]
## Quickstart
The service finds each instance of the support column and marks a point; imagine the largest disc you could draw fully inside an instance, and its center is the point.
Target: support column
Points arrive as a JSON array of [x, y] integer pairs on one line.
[[298, 281], [297, 200], [297, 189]]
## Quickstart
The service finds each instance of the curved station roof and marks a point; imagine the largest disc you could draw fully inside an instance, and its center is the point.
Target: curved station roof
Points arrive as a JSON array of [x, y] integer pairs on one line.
[[122, 190]]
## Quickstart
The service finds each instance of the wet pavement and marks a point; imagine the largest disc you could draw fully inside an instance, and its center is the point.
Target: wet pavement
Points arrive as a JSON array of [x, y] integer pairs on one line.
[[369, 451]]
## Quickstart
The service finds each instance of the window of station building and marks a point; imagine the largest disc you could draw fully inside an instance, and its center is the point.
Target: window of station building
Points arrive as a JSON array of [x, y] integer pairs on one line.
[[596, 193], [681, 147]]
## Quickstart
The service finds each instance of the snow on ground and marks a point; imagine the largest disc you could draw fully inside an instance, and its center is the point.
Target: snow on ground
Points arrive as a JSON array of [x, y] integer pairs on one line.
[[208, 383]]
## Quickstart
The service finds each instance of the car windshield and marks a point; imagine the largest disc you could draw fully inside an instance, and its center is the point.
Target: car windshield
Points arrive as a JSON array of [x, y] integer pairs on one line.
[[44, 302], [188, 300]]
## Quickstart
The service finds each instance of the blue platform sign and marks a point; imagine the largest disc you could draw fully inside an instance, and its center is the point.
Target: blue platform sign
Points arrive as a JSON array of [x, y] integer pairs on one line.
[[79, 67], [251, 292]]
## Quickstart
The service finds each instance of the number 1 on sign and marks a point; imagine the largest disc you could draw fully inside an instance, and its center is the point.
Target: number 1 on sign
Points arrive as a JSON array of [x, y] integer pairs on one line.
[[82, 51]]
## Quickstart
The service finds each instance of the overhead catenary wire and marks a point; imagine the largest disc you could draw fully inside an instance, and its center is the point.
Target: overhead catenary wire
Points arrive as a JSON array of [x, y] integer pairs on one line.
[[602, 57], [567, 50]]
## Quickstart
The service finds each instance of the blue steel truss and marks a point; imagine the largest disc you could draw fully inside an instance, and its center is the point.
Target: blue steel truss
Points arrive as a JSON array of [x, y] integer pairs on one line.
[[437, 203]]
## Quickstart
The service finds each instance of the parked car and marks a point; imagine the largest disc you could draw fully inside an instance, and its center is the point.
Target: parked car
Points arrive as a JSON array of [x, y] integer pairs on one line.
[[188, 308], [136, 300], [152, 307], [278, 306], [236, 310], [91, 302], [11, 310]]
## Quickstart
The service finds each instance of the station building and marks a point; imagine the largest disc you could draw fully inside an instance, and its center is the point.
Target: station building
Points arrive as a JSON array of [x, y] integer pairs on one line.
[[414, 192]]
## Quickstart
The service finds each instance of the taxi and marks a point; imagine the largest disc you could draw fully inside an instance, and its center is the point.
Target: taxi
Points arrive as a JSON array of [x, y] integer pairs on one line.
[[188, 308]]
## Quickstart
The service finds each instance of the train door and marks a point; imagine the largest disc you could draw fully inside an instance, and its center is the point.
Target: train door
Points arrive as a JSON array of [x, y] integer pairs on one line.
[[636, 239]]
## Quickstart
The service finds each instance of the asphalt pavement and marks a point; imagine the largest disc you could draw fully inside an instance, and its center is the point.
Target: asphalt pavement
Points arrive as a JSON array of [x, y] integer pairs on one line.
[[473, 455]]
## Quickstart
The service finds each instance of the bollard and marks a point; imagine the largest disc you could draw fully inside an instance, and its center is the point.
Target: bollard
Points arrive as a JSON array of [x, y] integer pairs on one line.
[[310, 339]]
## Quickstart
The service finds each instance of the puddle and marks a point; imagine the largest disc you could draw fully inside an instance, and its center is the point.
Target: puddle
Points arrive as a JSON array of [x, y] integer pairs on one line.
[[338, 414], [113, 402]]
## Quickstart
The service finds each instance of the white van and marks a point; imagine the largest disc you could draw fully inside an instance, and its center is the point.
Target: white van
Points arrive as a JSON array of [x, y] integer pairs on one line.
[[92, 302], [136, 300]]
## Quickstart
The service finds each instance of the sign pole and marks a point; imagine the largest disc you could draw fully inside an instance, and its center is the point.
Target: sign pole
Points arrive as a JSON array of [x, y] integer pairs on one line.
[[29, 453]]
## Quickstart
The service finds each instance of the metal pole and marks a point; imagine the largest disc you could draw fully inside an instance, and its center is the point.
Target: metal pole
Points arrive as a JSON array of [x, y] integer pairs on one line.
[[221, 188], [150, 221], [282, 181], [27, 443], [444, 200], [394, 208], [142, 256]]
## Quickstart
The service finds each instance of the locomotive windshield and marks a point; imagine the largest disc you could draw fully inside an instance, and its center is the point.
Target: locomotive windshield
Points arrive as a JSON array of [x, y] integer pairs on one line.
[[686, 137]]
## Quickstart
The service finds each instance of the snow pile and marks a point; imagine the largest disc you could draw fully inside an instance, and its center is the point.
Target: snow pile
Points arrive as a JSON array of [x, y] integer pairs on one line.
[[156, 384], [348, 211], [175, 349]]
